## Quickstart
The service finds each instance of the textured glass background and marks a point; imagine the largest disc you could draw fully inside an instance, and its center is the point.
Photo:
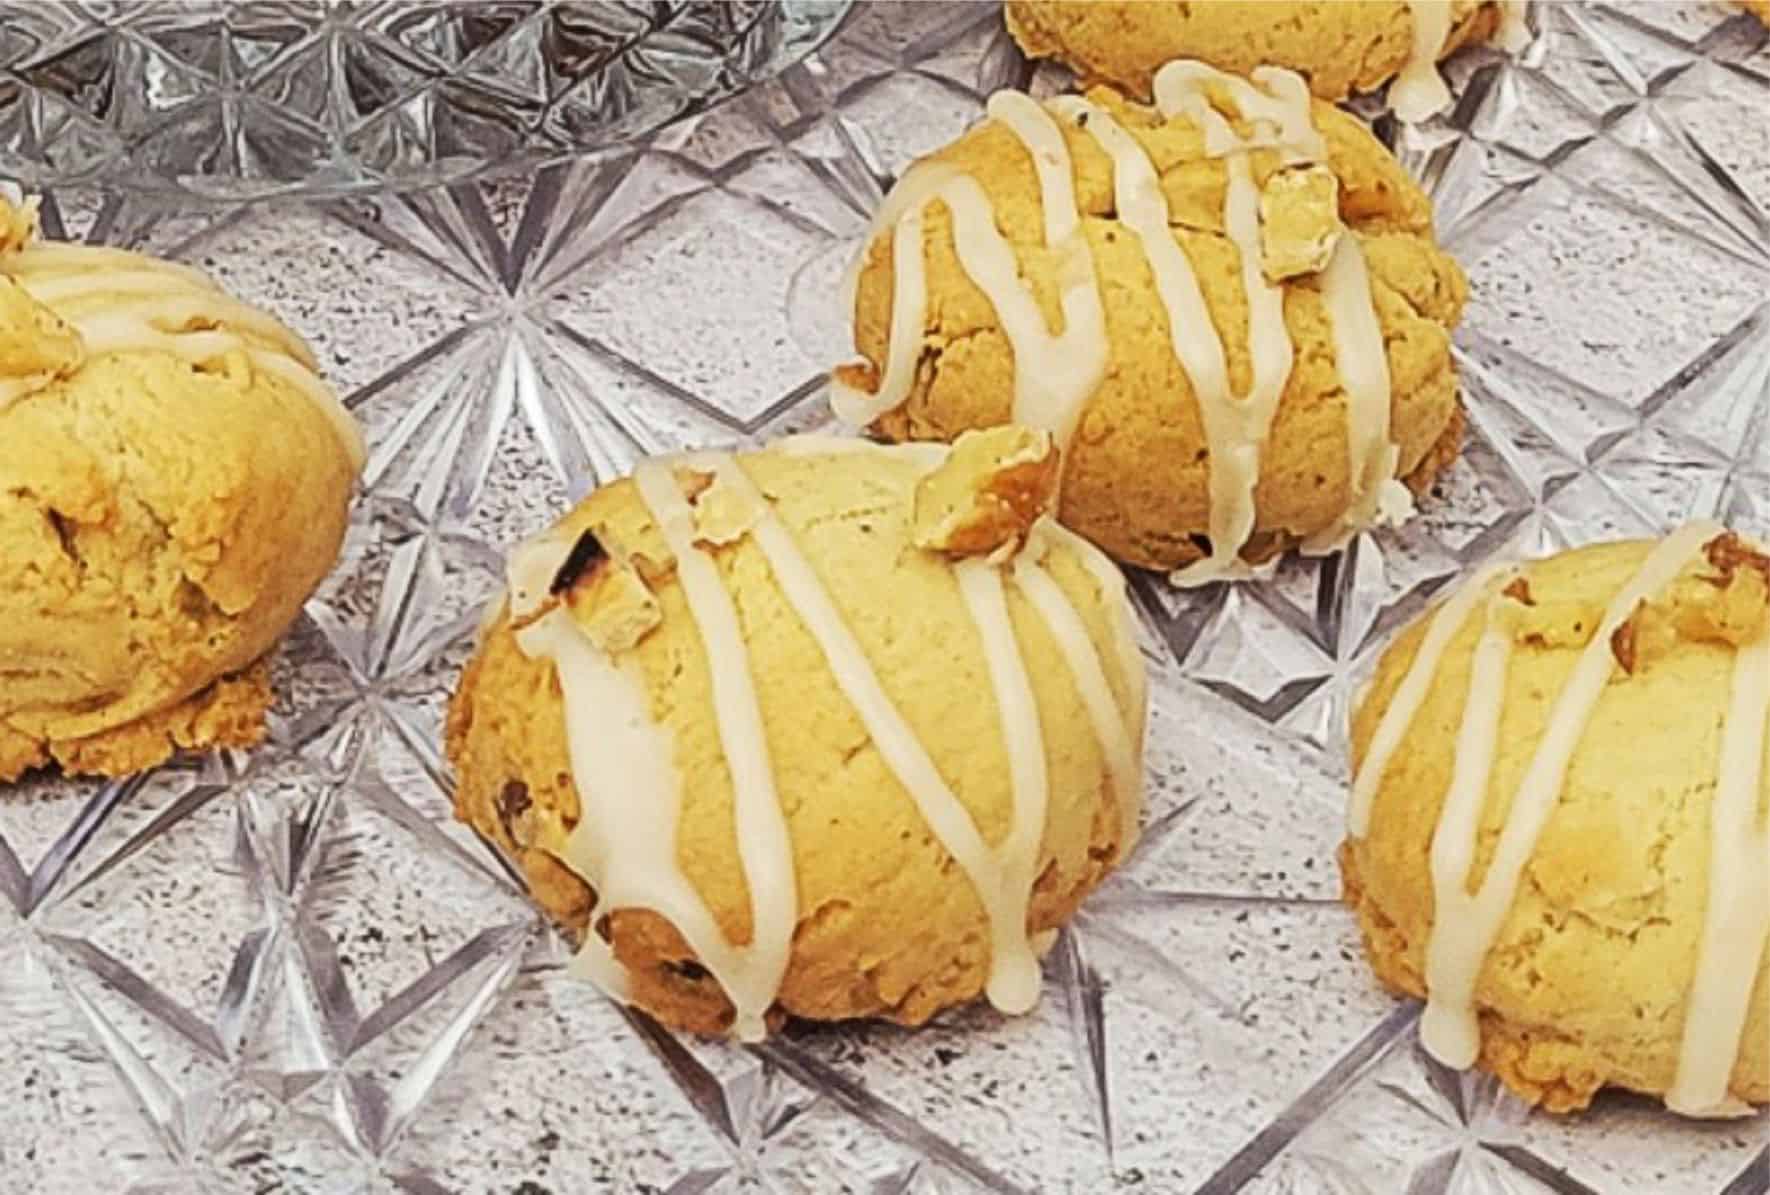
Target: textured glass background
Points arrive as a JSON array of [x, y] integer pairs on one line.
[[240, 98], [291, 971]]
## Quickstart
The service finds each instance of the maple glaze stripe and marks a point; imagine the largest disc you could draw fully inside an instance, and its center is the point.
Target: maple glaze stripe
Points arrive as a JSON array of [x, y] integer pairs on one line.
[[1055, 375], [751, 976], [1736, 914]]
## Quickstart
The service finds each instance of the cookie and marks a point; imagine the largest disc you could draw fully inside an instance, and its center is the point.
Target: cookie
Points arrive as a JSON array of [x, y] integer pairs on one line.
[[1339, 46], [1238, 327], [828, 730], [1557, 833], [174, 479]]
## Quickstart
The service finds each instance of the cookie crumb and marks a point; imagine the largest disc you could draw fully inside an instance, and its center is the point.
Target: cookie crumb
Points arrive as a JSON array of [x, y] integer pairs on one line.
[[724, 515], [988, 493], [1299, 221], [1624, 643], [586, 553], [692, 482], [1729, 552], [613, 606]]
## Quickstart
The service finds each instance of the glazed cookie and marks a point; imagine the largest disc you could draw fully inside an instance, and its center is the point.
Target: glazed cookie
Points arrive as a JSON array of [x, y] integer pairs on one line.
[[1557, 830], [1339, 46], [173, 484], [828, 730], [1229, 310]]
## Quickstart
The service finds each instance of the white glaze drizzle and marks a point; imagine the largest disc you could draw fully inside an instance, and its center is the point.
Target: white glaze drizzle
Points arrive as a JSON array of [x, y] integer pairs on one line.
[[1236, 426], [1112, 727], [1736, 926], [629, 793], [1419, 91], [1013, 987], [1372, 456], [1460, 940], [1114, 593], [634, 865], [1054, 376], [1011, 958], [125, 301], [751, 976], [1736, 916], [1454, 952], [1398, 715], [1514, 32]]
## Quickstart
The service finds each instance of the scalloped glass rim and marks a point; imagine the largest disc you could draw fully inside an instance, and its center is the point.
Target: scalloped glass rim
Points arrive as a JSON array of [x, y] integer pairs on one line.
[[267, 133]]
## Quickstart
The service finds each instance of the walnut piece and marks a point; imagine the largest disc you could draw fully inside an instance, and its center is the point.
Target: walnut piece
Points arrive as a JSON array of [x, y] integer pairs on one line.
[[1732, 604], [604, 594], [1729, 552], [1519, 591], [989, 492], [723, 515], [608, 599], [1623, 643], [1299, 221], [692, 482]]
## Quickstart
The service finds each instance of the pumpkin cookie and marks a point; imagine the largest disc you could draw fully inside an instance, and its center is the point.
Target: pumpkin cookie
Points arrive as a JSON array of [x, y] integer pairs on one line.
[[173, 485], [1340, 46], [1229, 308], [1558, 831], [827, 730]]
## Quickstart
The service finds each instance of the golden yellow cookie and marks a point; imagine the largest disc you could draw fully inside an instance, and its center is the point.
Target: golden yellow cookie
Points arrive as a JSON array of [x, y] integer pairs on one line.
[[1758, 8], [1136, 279], [173, 484], [1340, 46], [1595, 913], [827, 730]]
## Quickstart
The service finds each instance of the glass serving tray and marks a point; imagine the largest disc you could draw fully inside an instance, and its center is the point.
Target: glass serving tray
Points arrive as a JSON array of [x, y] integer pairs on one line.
[[231, 100], [292, 971]]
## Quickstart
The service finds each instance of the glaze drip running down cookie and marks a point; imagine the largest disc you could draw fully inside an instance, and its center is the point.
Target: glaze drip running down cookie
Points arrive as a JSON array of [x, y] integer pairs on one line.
[[831, 730], [1557, 830], [1252, 324], [1340, 47], [174, 479]]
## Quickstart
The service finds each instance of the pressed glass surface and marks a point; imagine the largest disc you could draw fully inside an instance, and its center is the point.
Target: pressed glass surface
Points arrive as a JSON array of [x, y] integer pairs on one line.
[[292, 971], [240, 98]]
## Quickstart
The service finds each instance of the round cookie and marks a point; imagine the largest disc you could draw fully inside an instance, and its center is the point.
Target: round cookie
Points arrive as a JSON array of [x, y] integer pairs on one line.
[[1339, 46], [174, 482], [1237, 325], [1558, 825], [828, 730]]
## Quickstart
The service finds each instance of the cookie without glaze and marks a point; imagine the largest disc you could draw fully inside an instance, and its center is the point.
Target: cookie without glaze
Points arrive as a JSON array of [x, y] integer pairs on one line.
[[1603, 967], [1139, 469], [168, 500], [827, 891], [1340, 46]]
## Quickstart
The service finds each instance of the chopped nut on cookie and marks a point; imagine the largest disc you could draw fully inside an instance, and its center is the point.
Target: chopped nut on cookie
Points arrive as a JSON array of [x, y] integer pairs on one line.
[[606, 596], [723, 515], [988, 493], [1299, 221], [1554, 622]]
